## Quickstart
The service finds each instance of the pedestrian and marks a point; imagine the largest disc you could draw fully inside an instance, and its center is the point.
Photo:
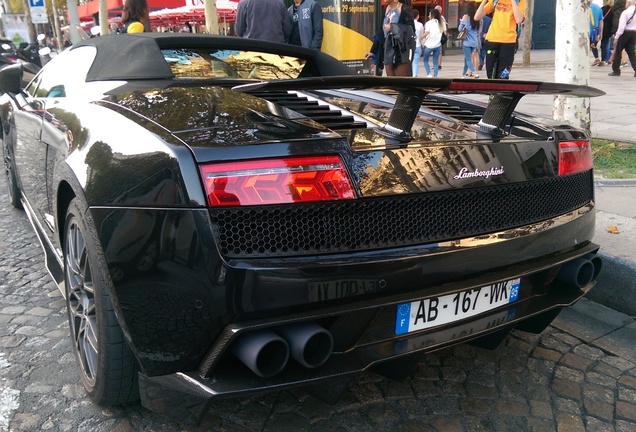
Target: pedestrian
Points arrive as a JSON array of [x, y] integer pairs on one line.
[[263, 19], [484, 25], [606, 36], [625, 38], [596, 31], [471, 42], [135, 17], [306, 16], [433, 30], [397, 37], [443, 50], [617, 10], [501, 39], [419, 34]]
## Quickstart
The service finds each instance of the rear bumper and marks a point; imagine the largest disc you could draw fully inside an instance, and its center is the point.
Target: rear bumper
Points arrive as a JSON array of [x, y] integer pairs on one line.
[[363, 336]]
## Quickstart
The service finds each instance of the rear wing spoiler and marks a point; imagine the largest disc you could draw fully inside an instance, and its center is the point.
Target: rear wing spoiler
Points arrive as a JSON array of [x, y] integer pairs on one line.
[[506, 94]]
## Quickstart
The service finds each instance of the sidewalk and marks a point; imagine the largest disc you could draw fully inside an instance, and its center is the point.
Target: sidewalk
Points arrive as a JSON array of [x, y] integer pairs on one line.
[[613, 116]]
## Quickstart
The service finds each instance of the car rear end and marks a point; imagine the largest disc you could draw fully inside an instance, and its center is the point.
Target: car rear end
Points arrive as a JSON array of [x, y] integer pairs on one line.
[[352, 228]]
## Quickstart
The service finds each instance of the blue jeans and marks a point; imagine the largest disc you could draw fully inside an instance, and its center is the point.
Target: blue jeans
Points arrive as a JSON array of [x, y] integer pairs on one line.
[[416, 60], [427, 54], [468, 62]]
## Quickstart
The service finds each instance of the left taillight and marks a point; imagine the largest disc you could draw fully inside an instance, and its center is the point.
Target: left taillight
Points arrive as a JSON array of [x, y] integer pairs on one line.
[[574, 157], [276, 181]]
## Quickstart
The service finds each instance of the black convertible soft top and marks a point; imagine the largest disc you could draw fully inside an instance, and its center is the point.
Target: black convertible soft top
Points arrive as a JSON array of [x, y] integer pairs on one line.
[[138, 56]]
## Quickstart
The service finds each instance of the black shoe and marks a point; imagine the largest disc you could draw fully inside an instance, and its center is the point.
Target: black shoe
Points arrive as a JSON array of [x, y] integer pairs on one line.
[[481, 66], [614, 74], [439, 68]]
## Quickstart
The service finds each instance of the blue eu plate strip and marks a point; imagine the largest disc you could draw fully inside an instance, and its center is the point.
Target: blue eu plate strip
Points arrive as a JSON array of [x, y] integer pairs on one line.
[[402, 321]]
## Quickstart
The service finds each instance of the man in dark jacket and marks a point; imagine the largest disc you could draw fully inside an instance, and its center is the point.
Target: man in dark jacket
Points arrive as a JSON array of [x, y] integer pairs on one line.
[[263, 19], [306, 16]]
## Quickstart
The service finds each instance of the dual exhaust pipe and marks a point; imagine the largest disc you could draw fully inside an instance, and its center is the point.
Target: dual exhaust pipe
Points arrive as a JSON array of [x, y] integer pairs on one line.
[[266, 352], [581, 271]]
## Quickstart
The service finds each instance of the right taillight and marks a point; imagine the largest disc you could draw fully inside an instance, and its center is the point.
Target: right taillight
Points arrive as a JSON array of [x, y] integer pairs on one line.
[[574, 157]]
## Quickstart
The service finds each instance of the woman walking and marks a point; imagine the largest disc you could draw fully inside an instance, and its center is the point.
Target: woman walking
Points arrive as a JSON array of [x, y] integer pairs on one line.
[[433, 30], [470, 44], [396, 38]]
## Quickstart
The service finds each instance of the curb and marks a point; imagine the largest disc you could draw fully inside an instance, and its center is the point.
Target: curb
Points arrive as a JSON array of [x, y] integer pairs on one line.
[[614, 182], [616, 285]]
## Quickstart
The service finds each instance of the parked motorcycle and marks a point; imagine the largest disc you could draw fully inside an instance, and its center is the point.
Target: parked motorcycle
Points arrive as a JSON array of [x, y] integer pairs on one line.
[[31, 55]]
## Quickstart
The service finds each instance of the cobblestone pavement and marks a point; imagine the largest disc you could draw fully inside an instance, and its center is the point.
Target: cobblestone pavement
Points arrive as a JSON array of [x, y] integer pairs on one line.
[[580, 374]]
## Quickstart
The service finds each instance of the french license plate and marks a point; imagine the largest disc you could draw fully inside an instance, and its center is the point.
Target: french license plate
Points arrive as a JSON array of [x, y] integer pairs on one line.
[[436, 311], [335, 289]]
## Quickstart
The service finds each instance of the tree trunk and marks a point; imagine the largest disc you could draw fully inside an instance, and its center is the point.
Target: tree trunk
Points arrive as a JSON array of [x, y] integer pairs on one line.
[[74, 21], [56, 28], [104, 26], [30, 25], [571, 60], [211, 17], [527, 33]]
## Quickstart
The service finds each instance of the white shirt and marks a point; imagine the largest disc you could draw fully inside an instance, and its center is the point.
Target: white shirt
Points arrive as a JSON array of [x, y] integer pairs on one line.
[[622, 23], [419, 31], [434, 38]]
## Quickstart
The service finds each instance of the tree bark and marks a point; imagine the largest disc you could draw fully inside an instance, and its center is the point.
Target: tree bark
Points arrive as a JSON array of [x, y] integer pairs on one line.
[[211, 17], [74, 21], [56, 27], [527, 33], [571, 60], [30, 25], [104, 26]]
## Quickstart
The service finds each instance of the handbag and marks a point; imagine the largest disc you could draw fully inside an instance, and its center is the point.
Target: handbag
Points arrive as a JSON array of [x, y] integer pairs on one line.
[[444, 39], [462, 34]]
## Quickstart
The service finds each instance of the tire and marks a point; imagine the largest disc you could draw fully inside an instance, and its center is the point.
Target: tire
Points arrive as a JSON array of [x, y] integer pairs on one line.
[[9, 169], [106, 364]]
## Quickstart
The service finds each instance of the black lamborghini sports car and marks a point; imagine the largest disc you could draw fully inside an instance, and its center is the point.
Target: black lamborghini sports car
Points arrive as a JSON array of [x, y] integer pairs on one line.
[[226, 216]]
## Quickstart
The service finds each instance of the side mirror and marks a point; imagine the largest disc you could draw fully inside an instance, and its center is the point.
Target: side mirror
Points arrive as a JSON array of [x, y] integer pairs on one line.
[[11, 79], [6, 47]]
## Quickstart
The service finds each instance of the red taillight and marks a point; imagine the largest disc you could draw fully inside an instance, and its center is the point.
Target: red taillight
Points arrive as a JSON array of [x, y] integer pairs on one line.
[[276, 181], [574, 157]]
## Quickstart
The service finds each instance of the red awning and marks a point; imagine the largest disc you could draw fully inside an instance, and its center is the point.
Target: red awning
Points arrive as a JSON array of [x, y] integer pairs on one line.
[[87, 10], [195, 15]]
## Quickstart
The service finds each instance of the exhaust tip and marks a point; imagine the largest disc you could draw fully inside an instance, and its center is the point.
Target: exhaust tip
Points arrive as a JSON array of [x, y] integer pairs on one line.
[[310, 344], [596, 261], [578, 272], [264, 352]]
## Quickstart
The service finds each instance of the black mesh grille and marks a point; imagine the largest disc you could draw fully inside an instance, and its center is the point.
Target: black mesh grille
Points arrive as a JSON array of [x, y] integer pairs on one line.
[[376, 223]]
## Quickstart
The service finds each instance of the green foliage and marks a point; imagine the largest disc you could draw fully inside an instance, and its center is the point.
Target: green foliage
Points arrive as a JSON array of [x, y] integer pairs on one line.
[[17, 6], [614, 160]]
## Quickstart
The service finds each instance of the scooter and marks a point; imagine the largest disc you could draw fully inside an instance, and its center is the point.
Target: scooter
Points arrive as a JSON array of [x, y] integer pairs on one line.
[[30, 55]]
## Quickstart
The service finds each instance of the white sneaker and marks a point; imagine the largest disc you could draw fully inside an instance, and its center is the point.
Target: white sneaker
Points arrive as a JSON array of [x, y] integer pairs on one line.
[[429, 76]]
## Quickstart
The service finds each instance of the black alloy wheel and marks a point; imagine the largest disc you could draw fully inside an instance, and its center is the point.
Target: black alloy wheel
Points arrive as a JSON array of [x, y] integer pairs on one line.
[[106, 364]]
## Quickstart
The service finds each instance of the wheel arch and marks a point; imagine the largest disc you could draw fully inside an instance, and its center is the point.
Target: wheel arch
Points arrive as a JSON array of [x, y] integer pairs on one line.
[[65, 195]]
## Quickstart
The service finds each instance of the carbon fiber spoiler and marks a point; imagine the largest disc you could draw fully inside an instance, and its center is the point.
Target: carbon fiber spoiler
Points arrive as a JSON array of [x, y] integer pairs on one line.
[[506, 94]]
